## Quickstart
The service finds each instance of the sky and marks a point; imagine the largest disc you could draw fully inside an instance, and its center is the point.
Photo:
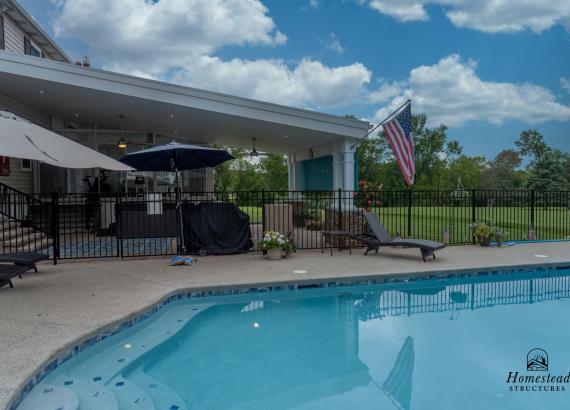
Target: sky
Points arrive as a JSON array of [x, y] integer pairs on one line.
[[488, 69]]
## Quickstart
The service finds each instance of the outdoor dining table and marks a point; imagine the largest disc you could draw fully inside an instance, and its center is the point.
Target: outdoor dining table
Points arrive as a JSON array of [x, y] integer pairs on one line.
[[335, 234]]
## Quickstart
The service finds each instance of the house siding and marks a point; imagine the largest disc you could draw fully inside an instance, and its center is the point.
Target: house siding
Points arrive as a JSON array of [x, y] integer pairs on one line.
[[14, 36], [22, 180]]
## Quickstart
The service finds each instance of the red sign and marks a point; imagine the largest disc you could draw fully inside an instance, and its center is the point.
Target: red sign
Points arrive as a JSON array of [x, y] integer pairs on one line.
[[4, 166]]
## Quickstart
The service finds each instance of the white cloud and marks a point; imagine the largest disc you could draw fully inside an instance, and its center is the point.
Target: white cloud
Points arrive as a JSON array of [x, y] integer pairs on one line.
[[175, 40], [485, 15], [565, 83], [450, 92], [308, 83], [314, 4], [158, 35], [332, 43]]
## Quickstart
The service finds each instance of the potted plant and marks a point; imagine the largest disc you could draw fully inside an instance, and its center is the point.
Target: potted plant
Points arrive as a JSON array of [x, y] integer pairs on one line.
[[277, 245], [499, 236], [485, 232]]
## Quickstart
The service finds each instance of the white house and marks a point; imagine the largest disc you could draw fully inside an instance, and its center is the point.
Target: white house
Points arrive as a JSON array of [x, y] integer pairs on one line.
[[100, 108]]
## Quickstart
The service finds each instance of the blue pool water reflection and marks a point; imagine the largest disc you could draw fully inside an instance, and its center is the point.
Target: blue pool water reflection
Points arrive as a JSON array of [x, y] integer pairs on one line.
[[422, 345]]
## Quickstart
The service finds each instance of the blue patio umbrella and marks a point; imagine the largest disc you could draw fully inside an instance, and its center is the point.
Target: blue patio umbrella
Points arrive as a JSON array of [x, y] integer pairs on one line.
[[175, 157]]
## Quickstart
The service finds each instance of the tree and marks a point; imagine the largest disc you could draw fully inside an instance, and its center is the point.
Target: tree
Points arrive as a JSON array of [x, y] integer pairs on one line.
[[547, 173], [504, 171], [275, 172], [466, 169], [226, 174], [531, 144]]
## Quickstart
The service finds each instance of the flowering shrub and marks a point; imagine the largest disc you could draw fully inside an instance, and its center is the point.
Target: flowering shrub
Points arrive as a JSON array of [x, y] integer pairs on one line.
[[368, 195], [276, 240], [486, 232]]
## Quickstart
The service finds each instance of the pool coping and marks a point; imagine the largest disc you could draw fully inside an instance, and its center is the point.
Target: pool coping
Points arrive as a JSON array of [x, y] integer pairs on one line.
[[69, 350]]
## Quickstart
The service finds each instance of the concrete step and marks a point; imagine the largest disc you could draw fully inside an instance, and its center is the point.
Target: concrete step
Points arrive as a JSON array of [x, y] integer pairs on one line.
[[34, 246], [15, 232], [24, 238]]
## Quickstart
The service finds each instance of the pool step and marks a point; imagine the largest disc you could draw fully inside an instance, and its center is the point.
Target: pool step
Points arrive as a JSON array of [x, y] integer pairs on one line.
[[51, 397], [163, 396], [130, 396], [94, 396]]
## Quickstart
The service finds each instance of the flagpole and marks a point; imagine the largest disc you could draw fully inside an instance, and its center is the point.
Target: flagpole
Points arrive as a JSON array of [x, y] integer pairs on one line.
[[381, 123]]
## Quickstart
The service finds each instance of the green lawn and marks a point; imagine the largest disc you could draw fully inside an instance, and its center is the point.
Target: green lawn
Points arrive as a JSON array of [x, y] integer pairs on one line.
[[429, 222]]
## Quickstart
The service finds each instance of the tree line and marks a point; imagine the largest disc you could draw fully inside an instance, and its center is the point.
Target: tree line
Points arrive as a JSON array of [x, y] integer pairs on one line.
[[440, 165]]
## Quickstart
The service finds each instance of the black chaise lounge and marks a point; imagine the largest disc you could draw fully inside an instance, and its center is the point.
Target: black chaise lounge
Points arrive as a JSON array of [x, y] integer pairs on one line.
[[9, 271], [378, 236], [28, 259]]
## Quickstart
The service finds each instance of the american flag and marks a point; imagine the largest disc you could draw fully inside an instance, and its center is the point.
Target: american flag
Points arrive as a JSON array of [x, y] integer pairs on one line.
[[399, 132], [532, 234]]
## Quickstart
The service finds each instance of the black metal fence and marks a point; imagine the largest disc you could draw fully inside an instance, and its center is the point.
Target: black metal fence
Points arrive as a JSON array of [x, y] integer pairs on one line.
[[91, 225]]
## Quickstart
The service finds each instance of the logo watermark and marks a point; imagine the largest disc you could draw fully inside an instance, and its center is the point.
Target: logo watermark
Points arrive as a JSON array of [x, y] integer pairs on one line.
[[537, 363]]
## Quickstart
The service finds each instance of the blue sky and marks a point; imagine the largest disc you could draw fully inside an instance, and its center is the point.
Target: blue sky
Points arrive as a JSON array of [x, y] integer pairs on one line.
[[488, 69]]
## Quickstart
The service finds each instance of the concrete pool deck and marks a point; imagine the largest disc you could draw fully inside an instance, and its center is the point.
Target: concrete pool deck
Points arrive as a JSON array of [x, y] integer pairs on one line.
[[49, 310]]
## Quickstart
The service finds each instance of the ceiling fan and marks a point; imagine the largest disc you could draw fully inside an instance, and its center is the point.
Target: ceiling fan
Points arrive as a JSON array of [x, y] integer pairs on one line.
[[254, 152]]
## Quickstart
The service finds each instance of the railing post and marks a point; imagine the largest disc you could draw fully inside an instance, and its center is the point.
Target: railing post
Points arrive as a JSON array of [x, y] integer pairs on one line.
[[55, 225], [339, 210], [473, 212], [410, 203], [118, 225], [263, 225], [532, 208]]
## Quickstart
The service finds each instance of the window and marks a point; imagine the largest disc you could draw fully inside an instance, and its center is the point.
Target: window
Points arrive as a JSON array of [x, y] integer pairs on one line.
[[2, 45], [26, 165], [30, 48]]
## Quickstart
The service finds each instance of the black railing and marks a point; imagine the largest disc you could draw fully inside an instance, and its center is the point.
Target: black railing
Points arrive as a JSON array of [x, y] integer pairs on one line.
[[91, 225]]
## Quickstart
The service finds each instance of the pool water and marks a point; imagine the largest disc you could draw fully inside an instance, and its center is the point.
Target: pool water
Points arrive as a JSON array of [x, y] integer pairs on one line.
[[429, 344]]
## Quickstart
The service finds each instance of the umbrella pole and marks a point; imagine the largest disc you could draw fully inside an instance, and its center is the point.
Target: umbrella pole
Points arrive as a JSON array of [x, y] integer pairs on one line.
[[182, 248]]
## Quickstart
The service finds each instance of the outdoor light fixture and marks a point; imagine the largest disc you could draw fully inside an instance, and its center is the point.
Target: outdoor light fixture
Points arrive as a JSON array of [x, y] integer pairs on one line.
[[122, 143]]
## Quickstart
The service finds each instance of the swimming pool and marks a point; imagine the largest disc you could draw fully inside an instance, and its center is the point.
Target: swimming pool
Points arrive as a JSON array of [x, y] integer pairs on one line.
[[459, 342]]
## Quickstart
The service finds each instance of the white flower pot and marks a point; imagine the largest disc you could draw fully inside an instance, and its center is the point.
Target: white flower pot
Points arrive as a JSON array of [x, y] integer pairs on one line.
[[274, 254]]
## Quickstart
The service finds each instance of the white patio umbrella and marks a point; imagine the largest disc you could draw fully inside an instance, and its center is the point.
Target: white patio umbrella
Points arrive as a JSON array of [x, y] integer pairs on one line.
[[20, 138]]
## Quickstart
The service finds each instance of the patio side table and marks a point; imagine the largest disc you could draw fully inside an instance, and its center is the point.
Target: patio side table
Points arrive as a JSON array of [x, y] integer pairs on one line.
[[332, 235]]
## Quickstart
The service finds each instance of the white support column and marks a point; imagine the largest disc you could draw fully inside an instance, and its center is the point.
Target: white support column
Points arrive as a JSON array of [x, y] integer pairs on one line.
[[343, 164], [343, 169], [293, 174]]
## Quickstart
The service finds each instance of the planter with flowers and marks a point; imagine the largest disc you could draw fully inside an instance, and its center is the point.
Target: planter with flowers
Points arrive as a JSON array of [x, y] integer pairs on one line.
[[484, 233], [277, 245]]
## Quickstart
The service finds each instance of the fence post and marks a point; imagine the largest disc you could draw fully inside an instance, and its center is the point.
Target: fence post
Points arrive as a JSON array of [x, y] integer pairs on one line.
[[55, 225], [473, 212], [410, 193], [118, 225], [263, 225], [532, 209], [339, 211]]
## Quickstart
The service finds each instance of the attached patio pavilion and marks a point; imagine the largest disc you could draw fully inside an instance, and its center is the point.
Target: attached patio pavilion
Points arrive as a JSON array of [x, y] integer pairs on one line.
[[98, 108]]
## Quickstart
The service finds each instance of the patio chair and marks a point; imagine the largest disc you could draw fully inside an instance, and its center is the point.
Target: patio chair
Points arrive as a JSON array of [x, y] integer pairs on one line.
[[8, 272], [378, 236], [28, 259]]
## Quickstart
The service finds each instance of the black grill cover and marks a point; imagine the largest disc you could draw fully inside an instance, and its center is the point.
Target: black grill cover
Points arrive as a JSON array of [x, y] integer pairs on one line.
[[217, 228]]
